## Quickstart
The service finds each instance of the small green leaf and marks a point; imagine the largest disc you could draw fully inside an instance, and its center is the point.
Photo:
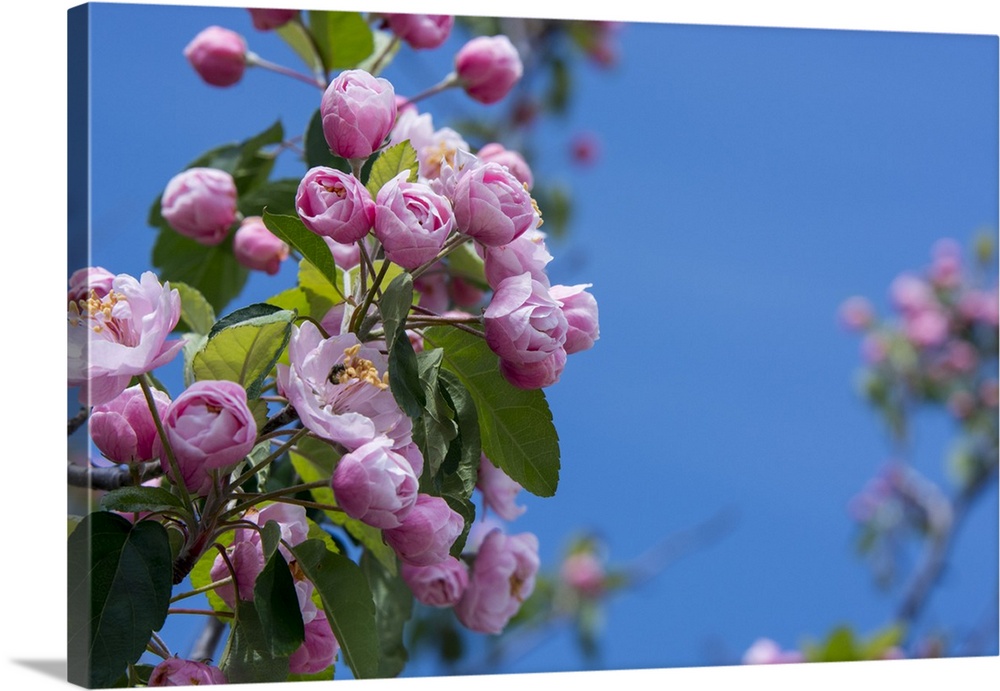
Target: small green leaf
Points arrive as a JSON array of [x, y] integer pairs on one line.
[[343, 38], [270, 538], [248, 656], [297, 37], [277, 604], [393, 607], [136, 499], [467, 510], [317, 150], [119, 581], [320, 293], [466, 449], [516, 425], [391, 162], [404, 377], [277, 196], [213, 271], [196, 312], [308, 243], [466, 264], [347, 601]]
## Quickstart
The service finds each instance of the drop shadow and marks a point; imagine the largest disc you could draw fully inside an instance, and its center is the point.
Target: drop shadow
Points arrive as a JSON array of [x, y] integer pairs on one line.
[[50, 668]]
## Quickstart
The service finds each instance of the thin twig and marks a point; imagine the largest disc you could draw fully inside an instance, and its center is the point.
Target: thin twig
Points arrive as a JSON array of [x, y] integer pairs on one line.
[[111, 477], [77, 420]]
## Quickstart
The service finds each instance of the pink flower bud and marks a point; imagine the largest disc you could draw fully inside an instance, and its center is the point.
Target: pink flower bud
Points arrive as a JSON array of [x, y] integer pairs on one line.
[[209, 426], [346, 256], [426, 533], [856, 313], [317, 650], [503, 577], [499, 491], [580, 309], [764, 651], [926, 328], [376, 485], [526, 253], [247, 559], [911, 294], [511, 160], [200, 203], [265, 20], [123, 428], [335, 204], [946, 268], [358, 112], [464, 293], [411, 221], [177, 672], [523, 323], [534, 375], [437, 585], [584, 573], [488, 67], [92, 278], [218, 55], [256, 247], [585, 148], [492, 206], [421, 31]]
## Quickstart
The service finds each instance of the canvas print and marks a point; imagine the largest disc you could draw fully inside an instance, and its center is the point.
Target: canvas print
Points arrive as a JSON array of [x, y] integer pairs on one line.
[[411, 345]]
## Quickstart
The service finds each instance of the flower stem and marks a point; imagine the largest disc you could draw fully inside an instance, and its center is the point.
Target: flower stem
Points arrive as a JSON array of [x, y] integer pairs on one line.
[[450, 246], [446, 83], [377, 65], [255, 60], [174, 466], [205, 612], [256, 498], [270, 459], [203, 589]]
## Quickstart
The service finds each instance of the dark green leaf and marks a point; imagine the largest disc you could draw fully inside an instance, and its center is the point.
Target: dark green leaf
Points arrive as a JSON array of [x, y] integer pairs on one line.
[[343, 38], [308, 243], [466, 264], [213, 271], [136, 499], [391, 162], [201, 573], [248, 657], [119, 581], [347, 601], [393, 607], [466, 449], [270, 538], [467, 510], [196, 312], [277, 605], [434, 429], [317, 150], [516, 425], [277, 196], [251, 314], [403, 375]]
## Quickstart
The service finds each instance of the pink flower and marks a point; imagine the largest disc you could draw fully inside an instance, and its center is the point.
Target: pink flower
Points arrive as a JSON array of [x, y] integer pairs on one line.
[[911, 294], [339, 389], [437, 585], [121, 335], [334, 204], [499, 491], [580, 309], [346, 256], [856, 313], [534, 375], [421, 31], [511, 160], [123, 428], [175, 671], [265, 20], [523, 323], [92, 278], [764, 651], [585, 148], [218, 55], [375, 484], [464, 293], [432, 286], [584, 572], [946, 268], [256, 247], [209, 427], [488, 67], [427, 532], [358, 112], [318, 650], [526, 253], [926, 328], [492, 206], [411, 221], [503, 577], [200, 203]]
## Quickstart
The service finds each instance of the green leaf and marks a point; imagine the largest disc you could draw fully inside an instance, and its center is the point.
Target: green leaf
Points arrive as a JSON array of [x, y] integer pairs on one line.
[[213, 271], [317, 150], [391, 162], [277, 196], [248, 657], [119, 581], [314, 460], [879, 643], [393, 607], [347, 601], [383, 42], [516, 425], [467, 510], [404, 379], [434, 429], [343, 38], [136, 499], [309, 244], [201, 573], [465, 450], [277, 604], [270, 538], [840, 646], [244, 352], [292, 299], [297, 37], [193, 343], [466, 264], [320, 293], [196, 311]]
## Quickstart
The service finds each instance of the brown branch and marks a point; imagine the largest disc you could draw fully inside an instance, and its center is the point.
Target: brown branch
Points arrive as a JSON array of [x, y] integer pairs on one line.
[[76, 422], [111, 477]]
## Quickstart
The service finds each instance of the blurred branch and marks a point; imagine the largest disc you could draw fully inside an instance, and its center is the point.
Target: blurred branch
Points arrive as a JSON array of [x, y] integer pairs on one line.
[[77, 420], [111, 477], [208, 640]]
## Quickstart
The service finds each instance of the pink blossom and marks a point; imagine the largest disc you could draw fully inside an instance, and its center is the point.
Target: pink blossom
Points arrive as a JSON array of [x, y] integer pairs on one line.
[[764, 651], [346, 256], [526, 253], [427, 532], [339, 389], [960, 356], [492, 206], [534, 375], [874, 348], [421, 31], [911, 294], [523, 324], [265, 20], [580, 309], [209, 427], [375, 484], [946, 267], [123, 428], [856, 313], [200, 203], [437, 585], [432, 286], [358, 112], [92, 278], [503, 577], [499, 490], [318, 650], [513, 161], [465, 293], [175, 671], [218, 55], [335, 204], [121, 335], [411, 221], [585, 148], [926, 328], [488, 67], [583, 572], [980, 305], [256, 247]]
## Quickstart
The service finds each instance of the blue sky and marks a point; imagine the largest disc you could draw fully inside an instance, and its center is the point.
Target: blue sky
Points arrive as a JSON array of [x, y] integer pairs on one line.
[[751, 179]]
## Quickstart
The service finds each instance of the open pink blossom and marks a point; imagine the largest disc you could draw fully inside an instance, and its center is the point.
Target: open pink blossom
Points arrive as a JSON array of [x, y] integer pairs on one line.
[[411, 221], [493, 206], [421, 31], [499, 490], [175, 671], [427, 532], [488, 67], [200, 203], [92, 278], [121, 335], [358, 111], [437, 585], [375, 484], [218, 55], [338, 387], [503, 577], [123, 428]]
